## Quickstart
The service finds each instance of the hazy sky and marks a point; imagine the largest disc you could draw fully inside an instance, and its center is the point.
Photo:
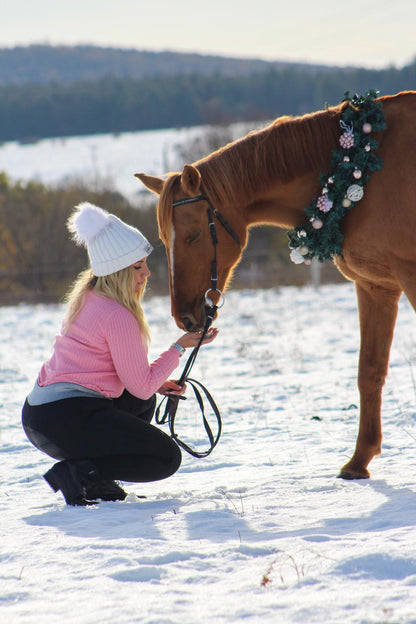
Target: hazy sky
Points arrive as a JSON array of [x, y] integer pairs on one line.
[[370, 33]]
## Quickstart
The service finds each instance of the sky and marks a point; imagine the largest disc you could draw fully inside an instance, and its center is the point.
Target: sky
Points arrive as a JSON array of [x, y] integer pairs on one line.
[[366, 33]]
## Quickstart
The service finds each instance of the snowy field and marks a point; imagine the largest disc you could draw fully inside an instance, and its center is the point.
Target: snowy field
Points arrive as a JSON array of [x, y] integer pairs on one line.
[[108, 157], [261, 531], [102, 158]]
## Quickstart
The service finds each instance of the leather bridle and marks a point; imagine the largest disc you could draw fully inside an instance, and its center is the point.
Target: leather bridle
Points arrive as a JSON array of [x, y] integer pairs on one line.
[[211, 213], [200, 391]]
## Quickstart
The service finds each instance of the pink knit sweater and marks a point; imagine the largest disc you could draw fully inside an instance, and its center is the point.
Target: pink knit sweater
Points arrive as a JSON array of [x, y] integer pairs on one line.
[[103, 350]]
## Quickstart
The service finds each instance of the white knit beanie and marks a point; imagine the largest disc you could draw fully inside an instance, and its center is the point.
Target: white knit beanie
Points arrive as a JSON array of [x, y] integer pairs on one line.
[[112, 244]]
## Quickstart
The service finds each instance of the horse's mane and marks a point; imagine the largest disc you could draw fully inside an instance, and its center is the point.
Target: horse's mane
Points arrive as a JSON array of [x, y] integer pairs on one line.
[[287, 148]]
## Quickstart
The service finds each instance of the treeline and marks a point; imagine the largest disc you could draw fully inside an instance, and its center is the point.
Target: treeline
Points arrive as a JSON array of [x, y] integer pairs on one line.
[[38, 261], [33, 111], [67, 64]]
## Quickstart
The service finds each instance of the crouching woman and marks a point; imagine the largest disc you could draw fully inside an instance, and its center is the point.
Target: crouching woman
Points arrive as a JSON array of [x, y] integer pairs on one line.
[[93, 401]]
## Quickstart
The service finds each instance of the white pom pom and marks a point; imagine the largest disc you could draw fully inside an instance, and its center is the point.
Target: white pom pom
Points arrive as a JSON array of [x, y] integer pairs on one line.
[[86, 222]]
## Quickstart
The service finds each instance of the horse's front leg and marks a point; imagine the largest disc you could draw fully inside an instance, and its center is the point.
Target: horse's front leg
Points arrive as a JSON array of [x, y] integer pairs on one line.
[[378, 311]]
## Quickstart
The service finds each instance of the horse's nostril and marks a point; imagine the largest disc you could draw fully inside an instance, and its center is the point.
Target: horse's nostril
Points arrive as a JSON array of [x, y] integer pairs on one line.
[[189, 322]]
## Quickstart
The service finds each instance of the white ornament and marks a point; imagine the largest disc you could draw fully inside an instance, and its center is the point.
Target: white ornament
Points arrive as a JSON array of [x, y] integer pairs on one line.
[[346, 159], [355, 192], [367, 147], [357, 174], [317, 224], [302, 234], [296, 257], [346, 202], [367, 128]]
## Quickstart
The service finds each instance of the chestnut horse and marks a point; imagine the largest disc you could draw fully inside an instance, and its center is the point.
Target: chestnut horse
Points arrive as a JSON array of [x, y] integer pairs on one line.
[[268, 177]]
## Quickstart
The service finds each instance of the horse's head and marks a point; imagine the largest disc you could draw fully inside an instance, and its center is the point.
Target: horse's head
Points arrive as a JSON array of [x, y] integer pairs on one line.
[[190, 248]]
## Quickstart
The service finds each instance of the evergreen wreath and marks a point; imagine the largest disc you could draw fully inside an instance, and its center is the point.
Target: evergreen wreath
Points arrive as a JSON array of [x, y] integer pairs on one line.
[[321, 237]]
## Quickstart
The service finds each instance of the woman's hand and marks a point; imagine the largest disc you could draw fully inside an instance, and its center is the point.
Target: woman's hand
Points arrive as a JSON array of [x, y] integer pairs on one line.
[[191, 339], [170, 387]]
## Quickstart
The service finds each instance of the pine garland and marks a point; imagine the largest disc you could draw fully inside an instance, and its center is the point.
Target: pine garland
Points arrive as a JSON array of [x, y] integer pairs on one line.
[[320, 236]]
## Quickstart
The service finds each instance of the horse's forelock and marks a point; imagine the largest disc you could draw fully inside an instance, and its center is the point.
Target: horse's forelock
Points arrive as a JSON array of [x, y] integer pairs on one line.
[[165, 209]]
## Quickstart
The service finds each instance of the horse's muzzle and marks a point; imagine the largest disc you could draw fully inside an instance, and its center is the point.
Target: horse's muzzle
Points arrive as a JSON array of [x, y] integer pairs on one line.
[[191, 324]]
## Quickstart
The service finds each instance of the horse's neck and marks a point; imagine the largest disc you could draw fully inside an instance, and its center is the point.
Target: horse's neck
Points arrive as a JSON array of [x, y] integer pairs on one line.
[[283, 205], [301, 149]]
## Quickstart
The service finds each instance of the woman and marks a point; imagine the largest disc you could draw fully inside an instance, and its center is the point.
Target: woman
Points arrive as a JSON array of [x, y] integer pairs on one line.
[[94, 398]]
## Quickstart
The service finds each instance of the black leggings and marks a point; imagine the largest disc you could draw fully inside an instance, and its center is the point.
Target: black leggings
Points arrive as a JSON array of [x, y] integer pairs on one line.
[[115, 434]]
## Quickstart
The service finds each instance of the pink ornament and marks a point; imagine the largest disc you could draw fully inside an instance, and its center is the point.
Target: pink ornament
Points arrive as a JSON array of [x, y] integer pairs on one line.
[[317, 224], [346, 140], [367, 128], [357, 174], [367, 147], [324, 203]]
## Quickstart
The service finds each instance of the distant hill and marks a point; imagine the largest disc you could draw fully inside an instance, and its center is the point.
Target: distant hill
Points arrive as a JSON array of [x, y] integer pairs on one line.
[[42, 64]]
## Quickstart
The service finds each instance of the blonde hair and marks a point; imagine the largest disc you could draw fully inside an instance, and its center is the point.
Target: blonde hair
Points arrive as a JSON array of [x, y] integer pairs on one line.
[[118, 286]]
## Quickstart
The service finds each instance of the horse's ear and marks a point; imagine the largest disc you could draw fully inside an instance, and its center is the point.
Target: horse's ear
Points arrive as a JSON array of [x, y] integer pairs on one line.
[[151, 182], [190, 179]]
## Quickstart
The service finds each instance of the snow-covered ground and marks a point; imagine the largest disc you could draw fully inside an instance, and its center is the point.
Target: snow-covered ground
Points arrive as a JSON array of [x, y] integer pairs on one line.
[[261, 531]]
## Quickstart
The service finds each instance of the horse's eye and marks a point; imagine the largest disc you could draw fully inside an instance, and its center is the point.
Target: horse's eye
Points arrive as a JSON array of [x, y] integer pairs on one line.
[[193, 237]]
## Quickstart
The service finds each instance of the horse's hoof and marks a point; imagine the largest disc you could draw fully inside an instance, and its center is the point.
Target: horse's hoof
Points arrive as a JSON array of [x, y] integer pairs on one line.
[[350, 475]]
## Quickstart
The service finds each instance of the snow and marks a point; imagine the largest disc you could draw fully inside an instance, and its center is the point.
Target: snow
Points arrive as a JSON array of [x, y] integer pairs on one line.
[[108, 160], [95, 158], [259, 531]]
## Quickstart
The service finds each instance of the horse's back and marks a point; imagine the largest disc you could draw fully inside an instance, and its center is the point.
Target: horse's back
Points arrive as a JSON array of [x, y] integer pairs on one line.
[[397, 148], [400, 114]]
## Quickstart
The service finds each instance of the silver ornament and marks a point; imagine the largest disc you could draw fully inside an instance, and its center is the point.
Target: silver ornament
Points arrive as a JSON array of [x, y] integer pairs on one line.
[[355, 192]]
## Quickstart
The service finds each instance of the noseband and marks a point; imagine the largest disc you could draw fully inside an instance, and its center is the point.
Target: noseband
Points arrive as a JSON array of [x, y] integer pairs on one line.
[[211, 213]]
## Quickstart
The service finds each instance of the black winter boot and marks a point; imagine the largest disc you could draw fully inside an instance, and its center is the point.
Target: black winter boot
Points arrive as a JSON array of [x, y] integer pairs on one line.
[[72, 478], [106, 490]]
